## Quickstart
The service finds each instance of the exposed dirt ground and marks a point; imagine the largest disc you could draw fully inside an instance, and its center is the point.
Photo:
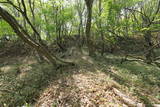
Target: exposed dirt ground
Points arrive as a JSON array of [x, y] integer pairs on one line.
[[82, 86], [81, 90], [86, 86]]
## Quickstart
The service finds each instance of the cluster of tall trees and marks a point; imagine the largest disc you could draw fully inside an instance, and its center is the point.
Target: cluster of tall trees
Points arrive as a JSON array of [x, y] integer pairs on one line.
[[96, 21]]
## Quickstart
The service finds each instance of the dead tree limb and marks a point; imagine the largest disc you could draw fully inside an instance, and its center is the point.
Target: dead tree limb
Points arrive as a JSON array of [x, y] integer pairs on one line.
[[130, 102], [135, 59]]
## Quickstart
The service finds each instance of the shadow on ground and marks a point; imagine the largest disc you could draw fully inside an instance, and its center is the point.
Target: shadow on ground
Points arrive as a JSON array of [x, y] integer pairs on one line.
[[141, 79], [22, 80]]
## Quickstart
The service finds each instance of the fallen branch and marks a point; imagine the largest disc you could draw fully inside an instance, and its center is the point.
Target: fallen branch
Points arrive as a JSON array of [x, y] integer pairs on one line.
[[155, 62], [6, 91], [127, 100], [157, 58], [135, 59]]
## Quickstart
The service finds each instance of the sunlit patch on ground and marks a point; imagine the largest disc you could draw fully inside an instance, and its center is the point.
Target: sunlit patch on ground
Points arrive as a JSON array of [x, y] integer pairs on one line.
[[82, 90], [91, 83], [6, 68]]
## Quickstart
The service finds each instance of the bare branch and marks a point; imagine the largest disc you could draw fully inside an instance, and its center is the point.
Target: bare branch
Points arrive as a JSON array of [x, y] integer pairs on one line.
[[24, 8], [143, 14], [4, 2], [158, 9]]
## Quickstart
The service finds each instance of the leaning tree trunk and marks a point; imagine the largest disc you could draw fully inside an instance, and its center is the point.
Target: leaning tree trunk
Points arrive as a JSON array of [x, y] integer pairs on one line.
[[89, 4], [32, 9], [19, 30]]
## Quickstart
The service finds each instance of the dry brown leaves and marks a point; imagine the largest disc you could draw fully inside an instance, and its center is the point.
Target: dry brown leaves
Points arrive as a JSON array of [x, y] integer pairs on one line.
[[81, 90]]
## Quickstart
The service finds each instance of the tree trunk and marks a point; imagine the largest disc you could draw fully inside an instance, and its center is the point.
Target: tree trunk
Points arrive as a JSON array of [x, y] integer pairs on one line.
[[100, 26], [150, 54], [19, 30], [32, 9], [89, 4]]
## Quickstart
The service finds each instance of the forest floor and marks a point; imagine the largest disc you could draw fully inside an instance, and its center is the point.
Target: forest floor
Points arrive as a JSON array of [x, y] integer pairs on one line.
[[89, 84]]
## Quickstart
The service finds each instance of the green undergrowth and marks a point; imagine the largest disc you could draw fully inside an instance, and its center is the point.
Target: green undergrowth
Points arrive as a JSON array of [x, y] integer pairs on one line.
[[20, 87], [22, 83], [141, 80]]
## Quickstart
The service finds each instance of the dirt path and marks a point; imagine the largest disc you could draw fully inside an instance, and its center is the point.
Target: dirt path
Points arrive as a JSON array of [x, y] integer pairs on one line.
[[81, 90], [84, 86]]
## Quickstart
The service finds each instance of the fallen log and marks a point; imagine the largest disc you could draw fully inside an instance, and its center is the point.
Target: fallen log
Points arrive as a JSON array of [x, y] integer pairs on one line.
[[133, 59], [129, 101]]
